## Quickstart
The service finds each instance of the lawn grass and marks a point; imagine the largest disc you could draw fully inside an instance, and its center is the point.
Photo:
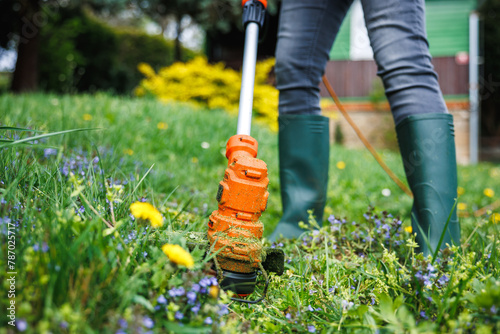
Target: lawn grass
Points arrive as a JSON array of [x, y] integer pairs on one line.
[[358, 274]]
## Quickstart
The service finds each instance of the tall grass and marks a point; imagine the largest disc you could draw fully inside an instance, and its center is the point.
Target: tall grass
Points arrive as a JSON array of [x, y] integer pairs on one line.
[[357, 274]]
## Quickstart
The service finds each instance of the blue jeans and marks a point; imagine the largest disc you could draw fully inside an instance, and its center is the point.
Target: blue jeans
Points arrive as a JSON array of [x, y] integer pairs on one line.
[[396, 29]]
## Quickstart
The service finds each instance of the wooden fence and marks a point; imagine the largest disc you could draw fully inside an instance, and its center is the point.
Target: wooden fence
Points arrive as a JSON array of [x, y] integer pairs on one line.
[[357, 78]]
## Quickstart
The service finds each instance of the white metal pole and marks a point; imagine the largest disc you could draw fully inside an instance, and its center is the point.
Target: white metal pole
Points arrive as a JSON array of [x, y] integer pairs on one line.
[[248, 79], [474, 87]]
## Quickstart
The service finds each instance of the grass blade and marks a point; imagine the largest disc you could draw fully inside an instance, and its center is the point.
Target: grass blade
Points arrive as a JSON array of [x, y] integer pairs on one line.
[[52, 134], [142, 179], [443, 233], [13, 128]]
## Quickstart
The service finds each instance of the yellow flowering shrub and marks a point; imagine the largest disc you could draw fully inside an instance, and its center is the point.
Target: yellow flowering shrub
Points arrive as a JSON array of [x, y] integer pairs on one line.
[[212, 86]]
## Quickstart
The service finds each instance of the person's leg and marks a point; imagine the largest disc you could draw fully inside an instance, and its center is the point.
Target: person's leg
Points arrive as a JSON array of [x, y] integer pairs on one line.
[[397, 35], [306, 33], [424, 127]]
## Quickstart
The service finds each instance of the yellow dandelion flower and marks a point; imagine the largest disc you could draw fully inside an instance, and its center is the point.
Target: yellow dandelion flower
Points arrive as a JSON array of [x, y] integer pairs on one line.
[[495, 218], [488, 192], [194, 160], [128, 151], [178, 255], [495, 172], [87, 117], [328, 211], [408, 229], [147, 212], [162, 126], [462, 206], [340, 165], [460, 191], [214, 291]]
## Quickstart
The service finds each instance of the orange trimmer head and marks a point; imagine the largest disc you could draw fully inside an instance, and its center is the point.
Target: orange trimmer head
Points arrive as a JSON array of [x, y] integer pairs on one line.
[[234, 229]]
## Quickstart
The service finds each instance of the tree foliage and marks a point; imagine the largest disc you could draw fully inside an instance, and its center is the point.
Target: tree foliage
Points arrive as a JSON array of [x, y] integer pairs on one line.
[[23, 22], [81, 53], [490, 80]]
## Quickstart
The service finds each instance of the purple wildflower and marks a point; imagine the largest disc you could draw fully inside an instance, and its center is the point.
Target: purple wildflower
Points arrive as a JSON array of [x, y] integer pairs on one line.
[[443, 280], [148, 322], [179, 315], [214, 281], [176, 292], [195, 309], [205, 282], [347, 305], [161, 299], [48, 152], [21, 325], [223, 310], [191, 296]]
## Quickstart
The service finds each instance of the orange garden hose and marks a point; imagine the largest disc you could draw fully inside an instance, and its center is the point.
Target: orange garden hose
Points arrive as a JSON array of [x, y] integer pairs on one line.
[[364, 140], [382, 164]]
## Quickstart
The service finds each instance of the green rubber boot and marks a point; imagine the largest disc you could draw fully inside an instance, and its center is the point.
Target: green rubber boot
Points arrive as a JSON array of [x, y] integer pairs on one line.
[[304, 151], [427, 145]]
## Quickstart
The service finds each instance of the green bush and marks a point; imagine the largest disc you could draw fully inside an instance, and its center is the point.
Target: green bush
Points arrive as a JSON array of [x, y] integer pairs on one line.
[[80, 53], [4, 81], [136, 47], [58, 56]]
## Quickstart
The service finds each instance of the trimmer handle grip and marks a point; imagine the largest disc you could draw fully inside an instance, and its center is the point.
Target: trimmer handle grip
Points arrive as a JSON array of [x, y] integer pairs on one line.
[[254, 11]]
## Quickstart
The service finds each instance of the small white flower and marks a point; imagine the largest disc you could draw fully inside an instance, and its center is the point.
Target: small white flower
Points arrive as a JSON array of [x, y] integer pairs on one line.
[[205, 145], [386, 192]]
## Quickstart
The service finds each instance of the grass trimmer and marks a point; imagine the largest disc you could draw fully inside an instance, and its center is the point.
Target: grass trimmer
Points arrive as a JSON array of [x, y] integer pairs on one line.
[[234, 229]]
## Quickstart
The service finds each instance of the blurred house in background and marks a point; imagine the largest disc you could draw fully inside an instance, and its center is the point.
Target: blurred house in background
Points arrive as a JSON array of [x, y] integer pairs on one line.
[[451, 25], [352, 73]]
